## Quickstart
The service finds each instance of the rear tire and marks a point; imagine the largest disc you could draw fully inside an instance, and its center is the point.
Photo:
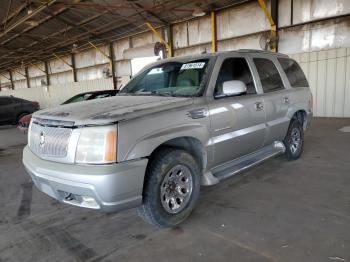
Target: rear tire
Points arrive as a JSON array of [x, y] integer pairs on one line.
[[171, 188], [294, 140]]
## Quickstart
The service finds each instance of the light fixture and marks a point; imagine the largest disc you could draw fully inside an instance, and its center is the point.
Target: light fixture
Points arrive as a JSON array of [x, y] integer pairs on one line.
[[198, 12], [32, 23], [29, 8], [74, 48]]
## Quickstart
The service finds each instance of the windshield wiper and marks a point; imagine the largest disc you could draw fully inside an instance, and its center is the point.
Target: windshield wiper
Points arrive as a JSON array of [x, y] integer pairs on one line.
[[155, 92]]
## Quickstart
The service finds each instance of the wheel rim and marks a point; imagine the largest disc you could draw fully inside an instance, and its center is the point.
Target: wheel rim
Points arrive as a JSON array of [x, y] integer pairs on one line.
[[176, 189], [295, 140]]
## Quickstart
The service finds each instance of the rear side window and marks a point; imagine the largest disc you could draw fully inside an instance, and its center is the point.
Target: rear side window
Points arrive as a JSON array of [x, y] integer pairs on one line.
[[294, 73], [269, 75]]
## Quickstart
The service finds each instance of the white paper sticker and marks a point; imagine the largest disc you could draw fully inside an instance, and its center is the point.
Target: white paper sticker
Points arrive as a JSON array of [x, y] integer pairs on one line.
[[198, 65]]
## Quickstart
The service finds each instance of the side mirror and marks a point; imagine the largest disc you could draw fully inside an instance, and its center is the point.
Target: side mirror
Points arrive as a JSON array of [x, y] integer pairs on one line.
[[233, 88]]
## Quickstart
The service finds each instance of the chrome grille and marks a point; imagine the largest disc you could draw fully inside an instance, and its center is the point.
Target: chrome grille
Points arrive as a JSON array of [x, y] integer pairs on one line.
[[47, 141]]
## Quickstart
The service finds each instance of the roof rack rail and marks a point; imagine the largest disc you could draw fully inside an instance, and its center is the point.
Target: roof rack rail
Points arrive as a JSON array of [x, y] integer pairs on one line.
[[254, 50], [258, 51]]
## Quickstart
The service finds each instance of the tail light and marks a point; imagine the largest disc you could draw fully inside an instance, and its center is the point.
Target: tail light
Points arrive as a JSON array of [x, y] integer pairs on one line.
[[36, 105], [311, 102]]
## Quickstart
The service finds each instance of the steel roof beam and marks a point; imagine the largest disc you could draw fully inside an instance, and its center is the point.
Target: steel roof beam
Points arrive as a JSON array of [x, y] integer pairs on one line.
[[27, 17], [79, 37], [85, 21]]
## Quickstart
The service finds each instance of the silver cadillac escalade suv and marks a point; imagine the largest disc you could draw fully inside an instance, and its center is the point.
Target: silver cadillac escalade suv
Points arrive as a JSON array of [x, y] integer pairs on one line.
[[179, 124]]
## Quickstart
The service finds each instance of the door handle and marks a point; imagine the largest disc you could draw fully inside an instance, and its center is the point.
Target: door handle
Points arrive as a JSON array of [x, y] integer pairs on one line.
[[259, 106], [286, 100]]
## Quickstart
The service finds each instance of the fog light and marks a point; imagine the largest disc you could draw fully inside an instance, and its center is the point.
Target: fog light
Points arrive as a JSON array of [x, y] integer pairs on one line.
[[89, 202]]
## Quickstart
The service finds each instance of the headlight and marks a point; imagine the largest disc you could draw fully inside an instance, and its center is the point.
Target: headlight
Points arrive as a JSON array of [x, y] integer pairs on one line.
[[97, 145], [29, 130]]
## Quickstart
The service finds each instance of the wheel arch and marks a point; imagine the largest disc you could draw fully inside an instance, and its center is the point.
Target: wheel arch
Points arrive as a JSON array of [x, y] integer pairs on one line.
[[190, 144], [301, 116]]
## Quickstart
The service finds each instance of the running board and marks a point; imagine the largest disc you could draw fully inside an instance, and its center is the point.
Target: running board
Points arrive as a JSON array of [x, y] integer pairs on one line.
[[243, 163]]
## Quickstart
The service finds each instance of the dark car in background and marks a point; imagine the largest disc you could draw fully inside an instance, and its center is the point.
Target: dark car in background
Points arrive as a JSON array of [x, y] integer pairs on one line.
[[25, 120], [91, 95], [12, 109]]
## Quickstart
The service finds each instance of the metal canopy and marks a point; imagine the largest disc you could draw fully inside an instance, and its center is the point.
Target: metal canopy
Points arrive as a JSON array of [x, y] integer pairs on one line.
[[32, 31]]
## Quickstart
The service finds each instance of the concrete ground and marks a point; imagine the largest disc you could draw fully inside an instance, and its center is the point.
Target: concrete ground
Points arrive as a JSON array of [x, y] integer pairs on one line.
[[279, 211]]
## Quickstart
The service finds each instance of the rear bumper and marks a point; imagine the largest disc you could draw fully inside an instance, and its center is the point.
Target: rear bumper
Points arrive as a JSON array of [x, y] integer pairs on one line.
[[109, 188], [309, 116], [22, 129]]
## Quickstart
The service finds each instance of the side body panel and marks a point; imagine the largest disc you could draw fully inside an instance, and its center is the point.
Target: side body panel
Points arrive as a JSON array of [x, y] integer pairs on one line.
[[276, 104], [299, 98], [28, 107], [237, 123], [7, 114]]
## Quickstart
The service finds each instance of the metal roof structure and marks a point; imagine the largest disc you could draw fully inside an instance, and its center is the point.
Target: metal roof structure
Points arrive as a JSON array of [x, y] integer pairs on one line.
[[35, 30]]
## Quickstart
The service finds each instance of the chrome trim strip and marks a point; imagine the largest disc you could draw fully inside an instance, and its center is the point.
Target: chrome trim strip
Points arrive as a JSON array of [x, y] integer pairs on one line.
[[234, 134]]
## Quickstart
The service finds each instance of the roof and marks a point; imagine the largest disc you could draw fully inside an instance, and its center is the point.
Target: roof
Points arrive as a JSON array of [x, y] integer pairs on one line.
[[257, 51], [34, 30], [216, 54]]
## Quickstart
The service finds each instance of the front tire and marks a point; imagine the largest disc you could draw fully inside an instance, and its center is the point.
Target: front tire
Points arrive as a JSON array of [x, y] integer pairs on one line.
[[171, 188], [294, 140]]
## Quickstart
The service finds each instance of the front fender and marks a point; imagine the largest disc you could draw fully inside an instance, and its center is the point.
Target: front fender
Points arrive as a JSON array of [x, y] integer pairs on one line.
[[144, 146]]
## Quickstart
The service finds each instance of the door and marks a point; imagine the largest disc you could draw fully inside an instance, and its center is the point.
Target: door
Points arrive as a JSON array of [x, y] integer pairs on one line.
[[237, 122], [276, 99], [6, 110]]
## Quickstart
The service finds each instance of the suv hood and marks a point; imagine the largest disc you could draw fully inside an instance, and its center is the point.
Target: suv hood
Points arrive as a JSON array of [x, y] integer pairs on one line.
[[112, 109]]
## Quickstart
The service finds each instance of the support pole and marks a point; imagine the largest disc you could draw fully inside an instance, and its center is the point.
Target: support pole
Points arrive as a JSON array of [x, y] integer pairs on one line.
[[27, 76], [47, 73], [170, 39], [274, 15], [272, 19], [168, 46], [74, 70], [213, 33], [11, 79], [114, 73]]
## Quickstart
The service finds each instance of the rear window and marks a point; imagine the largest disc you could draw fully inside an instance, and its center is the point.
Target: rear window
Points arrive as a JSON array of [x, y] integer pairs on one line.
[[294, 73]]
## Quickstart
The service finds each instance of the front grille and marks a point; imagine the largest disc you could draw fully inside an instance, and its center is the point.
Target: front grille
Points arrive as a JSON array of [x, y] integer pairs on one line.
[[47, 141]]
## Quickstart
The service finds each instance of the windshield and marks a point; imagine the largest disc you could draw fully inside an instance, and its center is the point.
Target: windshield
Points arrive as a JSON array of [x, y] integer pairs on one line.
[[170, 79]]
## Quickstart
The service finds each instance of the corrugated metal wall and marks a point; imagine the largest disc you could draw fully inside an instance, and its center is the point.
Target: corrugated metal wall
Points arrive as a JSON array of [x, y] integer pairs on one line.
[[312, 26], [328, 73], [57, 94], [235, 30]]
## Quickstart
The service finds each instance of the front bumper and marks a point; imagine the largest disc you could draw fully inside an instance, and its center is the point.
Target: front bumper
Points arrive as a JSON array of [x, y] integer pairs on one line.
[[109, 188]]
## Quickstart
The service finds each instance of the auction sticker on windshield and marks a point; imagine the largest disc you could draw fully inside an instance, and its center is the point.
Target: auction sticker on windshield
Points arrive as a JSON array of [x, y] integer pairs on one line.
[[198, 65]]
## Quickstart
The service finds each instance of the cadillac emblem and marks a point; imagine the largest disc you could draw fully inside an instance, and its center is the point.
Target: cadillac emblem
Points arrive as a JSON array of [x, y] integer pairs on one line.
[[42, 140]]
